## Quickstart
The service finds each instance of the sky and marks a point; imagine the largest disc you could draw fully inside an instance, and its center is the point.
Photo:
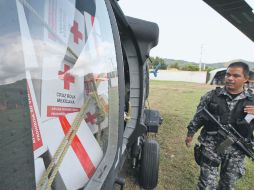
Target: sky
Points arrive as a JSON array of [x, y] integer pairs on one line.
[[190, 30]]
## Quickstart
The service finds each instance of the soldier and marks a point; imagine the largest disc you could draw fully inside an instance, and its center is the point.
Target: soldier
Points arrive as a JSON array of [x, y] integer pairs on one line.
[[229, 104]]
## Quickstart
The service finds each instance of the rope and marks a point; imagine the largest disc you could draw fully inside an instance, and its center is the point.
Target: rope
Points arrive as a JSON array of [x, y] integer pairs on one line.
[[62, 149], [100, 114], [75, 125], [66, 142], [127, 115]]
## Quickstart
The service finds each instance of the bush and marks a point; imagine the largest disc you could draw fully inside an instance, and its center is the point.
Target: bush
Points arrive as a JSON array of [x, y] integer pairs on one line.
[[190, 67]]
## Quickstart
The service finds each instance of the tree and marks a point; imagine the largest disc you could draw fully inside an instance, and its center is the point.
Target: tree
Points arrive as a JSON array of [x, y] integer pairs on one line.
[[175, 65], [208, 69], [156, 61]]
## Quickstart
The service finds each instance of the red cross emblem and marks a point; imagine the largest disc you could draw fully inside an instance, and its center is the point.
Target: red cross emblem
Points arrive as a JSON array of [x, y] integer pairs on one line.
[[76, 34], [90, 118], [67, 77]]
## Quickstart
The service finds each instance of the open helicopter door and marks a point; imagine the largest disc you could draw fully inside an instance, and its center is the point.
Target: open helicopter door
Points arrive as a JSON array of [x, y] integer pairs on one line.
[[63, 100], [62, 123]]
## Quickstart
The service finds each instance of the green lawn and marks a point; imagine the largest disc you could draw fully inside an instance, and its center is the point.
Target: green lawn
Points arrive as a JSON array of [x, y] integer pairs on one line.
[[177, 103]]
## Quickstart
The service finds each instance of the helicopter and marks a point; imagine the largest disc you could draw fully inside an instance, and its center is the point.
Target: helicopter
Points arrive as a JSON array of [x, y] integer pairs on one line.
[[74, 86], [238, 13], [155, 70]]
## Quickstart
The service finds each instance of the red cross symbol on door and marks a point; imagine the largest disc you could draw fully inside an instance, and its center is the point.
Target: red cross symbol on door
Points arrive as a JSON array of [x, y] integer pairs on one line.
[[90, 118], [67, 77], [76, 34]]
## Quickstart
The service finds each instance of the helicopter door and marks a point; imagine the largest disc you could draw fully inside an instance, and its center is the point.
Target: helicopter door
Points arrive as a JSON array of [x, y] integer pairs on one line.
[[68, 77]]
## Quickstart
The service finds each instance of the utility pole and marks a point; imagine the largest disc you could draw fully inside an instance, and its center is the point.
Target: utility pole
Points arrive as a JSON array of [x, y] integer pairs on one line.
[[200, 60]]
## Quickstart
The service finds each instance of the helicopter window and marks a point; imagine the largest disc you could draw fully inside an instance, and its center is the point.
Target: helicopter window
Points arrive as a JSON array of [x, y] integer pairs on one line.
[[71, 82]]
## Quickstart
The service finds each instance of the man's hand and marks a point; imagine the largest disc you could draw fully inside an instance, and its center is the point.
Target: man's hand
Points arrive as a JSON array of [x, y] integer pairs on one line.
[[188, 141], [249, 109]]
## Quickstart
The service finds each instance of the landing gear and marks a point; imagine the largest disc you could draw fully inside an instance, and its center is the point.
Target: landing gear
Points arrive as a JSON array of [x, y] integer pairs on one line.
[[149, 165], [145, 152]]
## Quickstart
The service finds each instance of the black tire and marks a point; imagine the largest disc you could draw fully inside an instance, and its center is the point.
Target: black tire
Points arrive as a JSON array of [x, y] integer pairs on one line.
[[149, 169]]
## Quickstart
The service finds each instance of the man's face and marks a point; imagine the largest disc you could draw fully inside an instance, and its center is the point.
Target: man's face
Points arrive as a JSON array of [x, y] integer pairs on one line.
[[235, 79]]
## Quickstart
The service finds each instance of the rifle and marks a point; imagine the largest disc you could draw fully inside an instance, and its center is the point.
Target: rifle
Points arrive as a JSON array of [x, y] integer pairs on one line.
[[231, 136]]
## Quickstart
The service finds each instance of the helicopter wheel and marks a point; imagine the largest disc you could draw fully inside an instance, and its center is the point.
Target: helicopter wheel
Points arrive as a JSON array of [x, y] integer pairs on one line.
[[149, 169]]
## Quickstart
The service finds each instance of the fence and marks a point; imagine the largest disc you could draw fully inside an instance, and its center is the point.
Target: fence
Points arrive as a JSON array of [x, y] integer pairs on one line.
[[176, 75]]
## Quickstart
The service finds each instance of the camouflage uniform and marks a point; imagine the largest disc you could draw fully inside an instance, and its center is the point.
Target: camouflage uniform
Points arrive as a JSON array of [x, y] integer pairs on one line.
[[231, 161]]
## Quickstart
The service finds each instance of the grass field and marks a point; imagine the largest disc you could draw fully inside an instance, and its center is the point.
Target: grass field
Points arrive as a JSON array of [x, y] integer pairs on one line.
[[177, 103]]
